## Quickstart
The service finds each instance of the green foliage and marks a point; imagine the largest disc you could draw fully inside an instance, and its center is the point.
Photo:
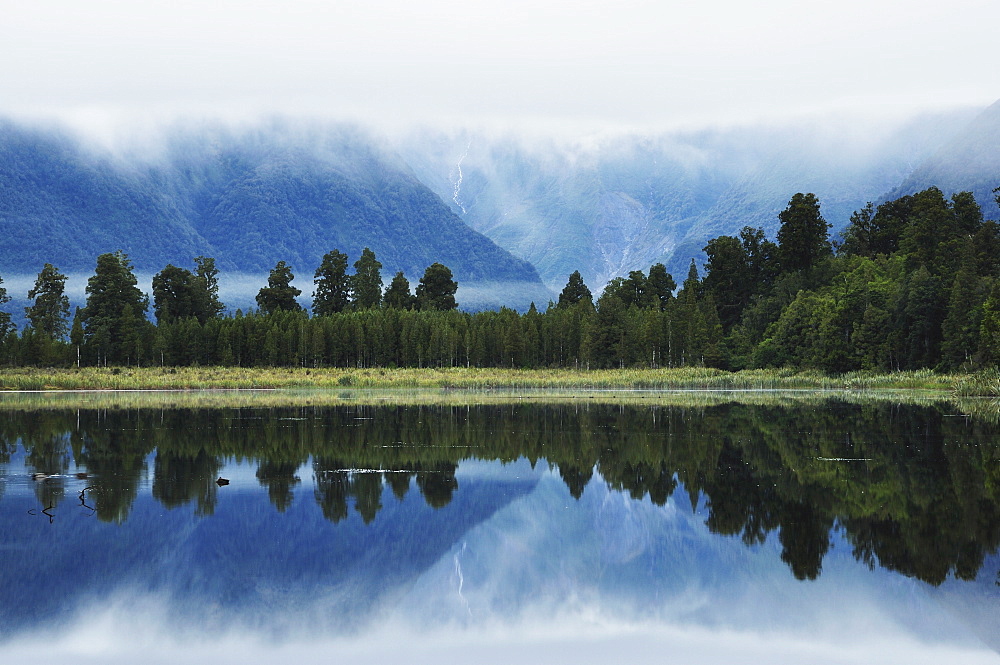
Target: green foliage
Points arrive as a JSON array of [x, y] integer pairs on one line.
[[333, 291], [728, 278], [366, 282], [6, 327], [50, 311], [436, 290], [207, 296], [114, 318], [279, 295], [989, 329], [398, 295], [659, 286], [179, 293], [575, 291], [803, 237]]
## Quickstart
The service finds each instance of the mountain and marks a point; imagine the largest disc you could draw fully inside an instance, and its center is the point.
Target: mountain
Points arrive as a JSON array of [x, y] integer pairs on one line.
[[970, 161], [614, 204], [511, 215], [247, 197]]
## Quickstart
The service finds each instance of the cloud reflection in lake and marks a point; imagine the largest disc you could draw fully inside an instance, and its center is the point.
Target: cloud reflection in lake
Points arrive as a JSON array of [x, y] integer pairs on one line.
[[545, 579]]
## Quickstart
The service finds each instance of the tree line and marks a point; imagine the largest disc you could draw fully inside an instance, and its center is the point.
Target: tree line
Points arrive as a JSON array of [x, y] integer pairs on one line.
[[911, 283]]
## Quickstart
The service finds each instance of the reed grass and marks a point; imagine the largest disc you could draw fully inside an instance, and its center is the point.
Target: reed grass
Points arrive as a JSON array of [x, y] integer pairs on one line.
[[981, 384], [689, 378]]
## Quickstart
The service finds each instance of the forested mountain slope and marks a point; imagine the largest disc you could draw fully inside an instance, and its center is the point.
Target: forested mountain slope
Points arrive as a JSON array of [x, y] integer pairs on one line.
[[249, 198]]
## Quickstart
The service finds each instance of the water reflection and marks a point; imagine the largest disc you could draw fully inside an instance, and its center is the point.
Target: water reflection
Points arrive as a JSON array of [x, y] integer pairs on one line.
[[354, 509], [914, 488]]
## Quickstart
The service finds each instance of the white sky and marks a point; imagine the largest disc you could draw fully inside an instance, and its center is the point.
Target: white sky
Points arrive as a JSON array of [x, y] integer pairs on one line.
[[624, 63]]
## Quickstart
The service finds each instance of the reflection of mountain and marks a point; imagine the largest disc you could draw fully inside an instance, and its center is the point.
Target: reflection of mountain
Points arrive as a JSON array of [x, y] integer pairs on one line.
[[975, 605], [247, 561], [912, 489]]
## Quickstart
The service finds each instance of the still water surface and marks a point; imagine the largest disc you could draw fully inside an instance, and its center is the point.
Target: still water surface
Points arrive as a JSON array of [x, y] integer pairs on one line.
[[577, 531]]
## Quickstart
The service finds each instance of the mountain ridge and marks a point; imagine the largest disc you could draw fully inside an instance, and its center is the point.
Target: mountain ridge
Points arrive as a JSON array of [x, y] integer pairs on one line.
[[248, 199]]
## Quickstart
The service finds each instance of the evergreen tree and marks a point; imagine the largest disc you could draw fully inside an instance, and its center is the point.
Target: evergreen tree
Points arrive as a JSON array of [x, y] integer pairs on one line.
[[208, 305], [617, 287], [989, 330], [728, 278], [6, 327], [49, 314], [919, 314], [279, 294], [436, 290], [115, 308], [891, 219], [692, 328], [173, 294], [366, 282], [986, 248], [961, 326], [860, 236], [179, 293], [605, 344], [575, 291], [932, 234], [659, 286], [332, 292], [635, 290], [398, 295], [803, 237], [968, 214], [76, 333]]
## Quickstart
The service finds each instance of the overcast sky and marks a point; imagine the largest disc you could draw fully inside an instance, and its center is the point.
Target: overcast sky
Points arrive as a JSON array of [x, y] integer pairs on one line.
[[650, 63]]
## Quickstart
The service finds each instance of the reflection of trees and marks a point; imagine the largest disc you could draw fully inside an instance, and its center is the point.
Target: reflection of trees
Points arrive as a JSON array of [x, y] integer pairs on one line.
[[437, 483], [399, 481], [180, 479], [49, 455], [332, 488], [575, 478], [114, 454], [912, 490], [367, 494], [279, 478]]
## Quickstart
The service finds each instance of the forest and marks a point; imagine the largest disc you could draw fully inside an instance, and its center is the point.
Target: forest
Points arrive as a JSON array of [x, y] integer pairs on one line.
[[911, 283]]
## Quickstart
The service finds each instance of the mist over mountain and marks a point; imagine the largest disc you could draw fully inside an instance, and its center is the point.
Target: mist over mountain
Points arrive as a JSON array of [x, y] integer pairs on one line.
[[621, 203], [969, 161], [248, 197], [510, 213]]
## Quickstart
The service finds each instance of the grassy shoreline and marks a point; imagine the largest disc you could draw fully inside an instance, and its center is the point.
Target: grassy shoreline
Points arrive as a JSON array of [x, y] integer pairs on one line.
[[230, 378]]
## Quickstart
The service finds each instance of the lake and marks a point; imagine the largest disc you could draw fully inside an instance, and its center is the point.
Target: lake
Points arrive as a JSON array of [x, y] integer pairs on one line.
[[367, 527]]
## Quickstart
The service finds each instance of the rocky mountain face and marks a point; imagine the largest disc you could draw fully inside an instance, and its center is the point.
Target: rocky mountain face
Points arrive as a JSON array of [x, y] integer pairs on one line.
[[621, 203]]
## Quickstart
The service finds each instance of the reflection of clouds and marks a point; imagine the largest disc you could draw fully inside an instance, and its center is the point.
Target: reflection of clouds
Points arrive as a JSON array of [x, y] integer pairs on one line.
[[623, 536], [546, 579], [126, 634], [658, 573]]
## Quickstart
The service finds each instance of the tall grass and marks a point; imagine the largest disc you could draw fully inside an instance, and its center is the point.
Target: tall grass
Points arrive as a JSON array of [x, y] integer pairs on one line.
[[981, 384], [689, 378]]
